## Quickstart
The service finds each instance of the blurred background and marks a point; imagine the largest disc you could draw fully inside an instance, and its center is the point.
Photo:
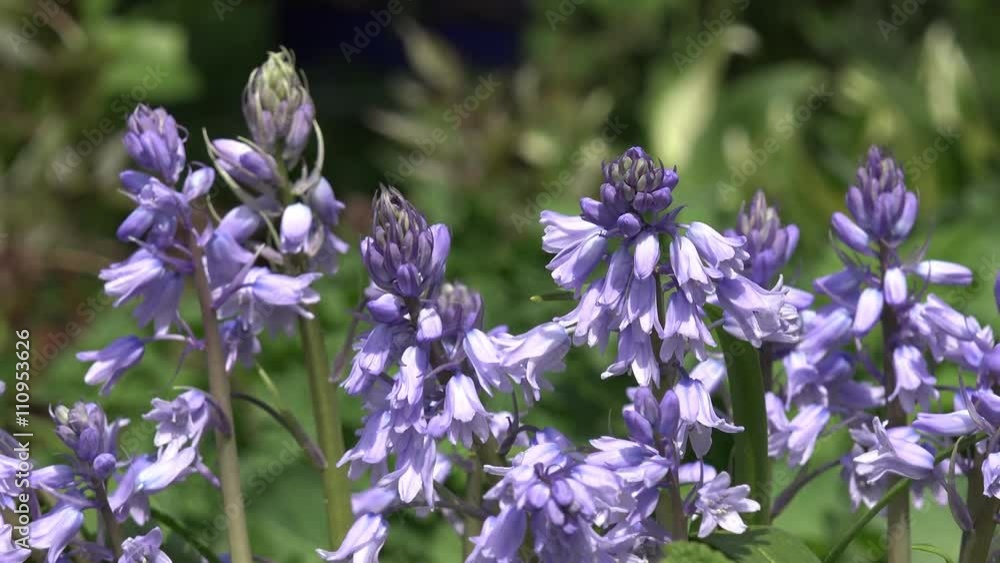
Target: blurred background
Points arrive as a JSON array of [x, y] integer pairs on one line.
[[483, 113]]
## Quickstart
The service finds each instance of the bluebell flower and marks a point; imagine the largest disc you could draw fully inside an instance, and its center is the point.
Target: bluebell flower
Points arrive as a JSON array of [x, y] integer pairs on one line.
[[296, 222], [462, 416], [240, 342], [527, 357], [184, 419], [797, 437], [404, 255], [698, 416], [914, 382], [240, 223], [11, 552], [54, 531], [723, 254], [111, 363], [157, 279], [647, 457], [86, 431], [363, 543], [769, 244], [274, 300], [155, 142], [558, 496], [879, 202], [160, 209], [625, 231], [719, 505], [144, 549], [324, 203], [246, 165], [756, 314], [684, 329], [579, 255], [897, 453]]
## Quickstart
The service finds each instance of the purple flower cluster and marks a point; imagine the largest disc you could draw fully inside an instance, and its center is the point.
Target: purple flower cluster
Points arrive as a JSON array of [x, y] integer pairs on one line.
[[431, 373], [660, 274], [881, 286], [259, 276], [425, 368], [98, 476]]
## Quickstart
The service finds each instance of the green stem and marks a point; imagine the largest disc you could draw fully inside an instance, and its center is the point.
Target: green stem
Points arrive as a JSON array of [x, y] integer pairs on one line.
[[765, 358], [976, 542], [182, 531], [670, 508], [899, 509], [218, 382], [751, 465], [670, 512], [110, 525], [326, 410], [473, 496]]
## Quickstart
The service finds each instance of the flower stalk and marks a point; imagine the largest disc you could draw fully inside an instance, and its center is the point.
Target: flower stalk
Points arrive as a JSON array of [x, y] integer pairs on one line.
[[229, 460], [110, 524], [329, 428], [976, 543], [751, 465], [898, 534], [325, 404]]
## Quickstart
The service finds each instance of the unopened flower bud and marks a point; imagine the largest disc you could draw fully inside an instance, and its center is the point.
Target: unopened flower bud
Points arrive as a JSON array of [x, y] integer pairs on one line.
[[277, 106], [404, 255]]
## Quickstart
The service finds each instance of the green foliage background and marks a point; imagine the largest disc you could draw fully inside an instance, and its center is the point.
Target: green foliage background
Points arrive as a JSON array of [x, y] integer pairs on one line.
[[719, 88]]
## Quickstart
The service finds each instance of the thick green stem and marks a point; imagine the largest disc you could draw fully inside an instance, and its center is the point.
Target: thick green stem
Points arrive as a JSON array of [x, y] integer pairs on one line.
[[766, 360], [218, 382], [670, 508], [326, 410], [898, 533], [111, 529], [670, 512], [976, 542], [473, 523], [751, 465]]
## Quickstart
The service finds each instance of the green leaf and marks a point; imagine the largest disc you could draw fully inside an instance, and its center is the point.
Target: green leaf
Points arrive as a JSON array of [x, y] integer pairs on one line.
[[762, 544], [692, 552]]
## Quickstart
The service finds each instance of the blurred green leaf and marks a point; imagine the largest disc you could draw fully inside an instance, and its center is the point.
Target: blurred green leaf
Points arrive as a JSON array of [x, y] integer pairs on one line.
[[692, 552], [762, 545], [148, 60]]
